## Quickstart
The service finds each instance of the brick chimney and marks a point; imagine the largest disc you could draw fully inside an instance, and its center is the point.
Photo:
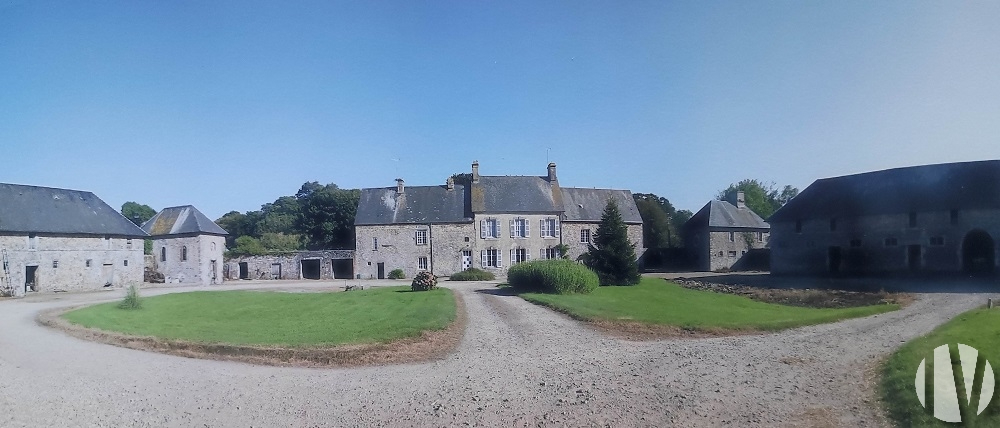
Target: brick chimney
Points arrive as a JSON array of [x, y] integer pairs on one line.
[[451, 183], [552, 172], [399, 186], [475, 171]]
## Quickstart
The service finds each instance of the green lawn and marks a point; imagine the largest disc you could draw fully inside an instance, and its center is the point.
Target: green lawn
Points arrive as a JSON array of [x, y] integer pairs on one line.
[[980, 329], [273, 318], [656, 301]]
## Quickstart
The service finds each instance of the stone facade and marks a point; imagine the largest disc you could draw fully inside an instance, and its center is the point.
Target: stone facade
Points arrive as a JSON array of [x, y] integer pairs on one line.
[[573, 234], [721, 249], [72, 263], [325, 264], [722, 234], [193, 259], [936, 242]]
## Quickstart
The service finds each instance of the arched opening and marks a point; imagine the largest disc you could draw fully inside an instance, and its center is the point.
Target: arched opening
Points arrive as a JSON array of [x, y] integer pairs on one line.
[[978, 252]]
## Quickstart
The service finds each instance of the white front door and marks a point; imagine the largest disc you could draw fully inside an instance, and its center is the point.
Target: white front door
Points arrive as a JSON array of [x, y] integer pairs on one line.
[[466, 259]]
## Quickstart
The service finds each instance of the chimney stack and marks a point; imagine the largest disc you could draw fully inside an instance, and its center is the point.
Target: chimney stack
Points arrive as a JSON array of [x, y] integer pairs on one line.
[[740, 201], [552, 172], [399, 186], [451, 183], [475, 171]]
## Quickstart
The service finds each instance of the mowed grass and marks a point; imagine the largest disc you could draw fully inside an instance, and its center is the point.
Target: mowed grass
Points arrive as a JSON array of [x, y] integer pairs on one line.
[[655, 301], [980, 329], [278, 319]]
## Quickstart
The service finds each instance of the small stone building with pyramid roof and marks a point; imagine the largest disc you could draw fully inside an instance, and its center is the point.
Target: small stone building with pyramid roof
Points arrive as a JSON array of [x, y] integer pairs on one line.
[[721, 235], [187, 246]]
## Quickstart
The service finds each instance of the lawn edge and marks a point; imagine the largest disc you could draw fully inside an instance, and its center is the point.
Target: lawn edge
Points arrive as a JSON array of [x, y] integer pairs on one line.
[[430, 345]]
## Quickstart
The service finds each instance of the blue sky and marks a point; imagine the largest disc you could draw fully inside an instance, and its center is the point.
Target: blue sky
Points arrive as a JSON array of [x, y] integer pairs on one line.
[[228, 105]]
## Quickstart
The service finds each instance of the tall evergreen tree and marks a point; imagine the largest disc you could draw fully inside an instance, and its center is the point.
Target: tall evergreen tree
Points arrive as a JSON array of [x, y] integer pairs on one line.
[[611, 255]]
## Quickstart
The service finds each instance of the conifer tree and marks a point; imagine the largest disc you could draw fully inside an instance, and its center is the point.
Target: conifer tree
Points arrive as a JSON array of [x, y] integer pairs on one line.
[[611, 254]]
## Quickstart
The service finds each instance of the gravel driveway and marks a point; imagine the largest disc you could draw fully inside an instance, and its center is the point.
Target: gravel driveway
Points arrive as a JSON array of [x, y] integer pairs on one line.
[[518, 365]]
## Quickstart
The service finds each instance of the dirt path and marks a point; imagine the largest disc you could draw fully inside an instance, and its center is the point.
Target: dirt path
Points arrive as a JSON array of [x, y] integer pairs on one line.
[[517, 365]]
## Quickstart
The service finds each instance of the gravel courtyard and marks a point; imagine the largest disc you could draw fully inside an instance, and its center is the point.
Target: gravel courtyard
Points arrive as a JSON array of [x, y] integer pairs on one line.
[[518, 365]]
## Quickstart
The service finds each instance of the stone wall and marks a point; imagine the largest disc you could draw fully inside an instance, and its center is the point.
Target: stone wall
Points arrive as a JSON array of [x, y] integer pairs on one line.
[[73, 263], [728, 247], [572, 232], [398, 249], [201, 265], [880, 244]]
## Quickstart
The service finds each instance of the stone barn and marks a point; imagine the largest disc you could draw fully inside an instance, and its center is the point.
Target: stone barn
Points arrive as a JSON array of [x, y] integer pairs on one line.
[[492, 224], [942, 218], [187, 246], [65, 240], [321, 264], [725, 235]]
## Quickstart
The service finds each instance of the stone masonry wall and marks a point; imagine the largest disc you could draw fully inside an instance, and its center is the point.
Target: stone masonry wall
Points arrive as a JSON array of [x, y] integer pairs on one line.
[[572, 237], [62, 262], [726, 247], [397, 248], [203, 253]]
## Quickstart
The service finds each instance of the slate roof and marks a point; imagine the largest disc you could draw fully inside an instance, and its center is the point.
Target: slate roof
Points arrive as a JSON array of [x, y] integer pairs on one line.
[[417, 204], [939, 187], [33, 209], [588, 204], [515, 194], [723, 214], [182, 220]]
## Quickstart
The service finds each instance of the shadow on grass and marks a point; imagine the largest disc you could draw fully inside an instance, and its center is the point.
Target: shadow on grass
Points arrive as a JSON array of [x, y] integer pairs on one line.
[[926, 283]]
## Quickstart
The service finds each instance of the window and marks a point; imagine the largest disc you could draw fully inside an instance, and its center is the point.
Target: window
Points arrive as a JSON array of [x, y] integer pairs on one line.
[[374, 244], [937, 241], [421, 237], [798, 226], [585, 236], [466, 239], [489, 228], [954, 217], [855, 243], [490, 258], [891, 242], [89, 261], [55, 264], [163, 254], [760, 236], [913, 219], [548, 253], [518, 255], [128, 243], [32, 241], [184, 254], [550, 227], [720, 253], [213, 247], [743, 253], [126, 262], [732, 254], [833, 224], [422, 263], [732, 236], [519, 228]]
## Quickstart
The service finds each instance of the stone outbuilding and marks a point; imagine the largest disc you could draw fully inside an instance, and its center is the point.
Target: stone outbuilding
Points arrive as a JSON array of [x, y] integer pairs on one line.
[[942, 218], [321, 264], [187, 246], [493, 223], [65, 240], [725, 235]]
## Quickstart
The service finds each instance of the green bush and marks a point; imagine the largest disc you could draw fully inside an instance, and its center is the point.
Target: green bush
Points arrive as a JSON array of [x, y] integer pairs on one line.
[[556, 276], [473, 274], [131, 300], [424, 281], [396, 274]]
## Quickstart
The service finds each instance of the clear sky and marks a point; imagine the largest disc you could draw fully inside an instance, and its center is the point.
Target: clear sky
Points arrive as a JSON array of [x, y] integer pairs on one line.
[[228, 105]]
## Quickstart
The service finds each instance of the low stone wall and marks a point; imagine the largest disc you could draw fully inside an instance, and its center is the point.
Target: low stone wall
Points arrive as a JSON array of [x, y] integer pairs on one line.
[[325, 264]]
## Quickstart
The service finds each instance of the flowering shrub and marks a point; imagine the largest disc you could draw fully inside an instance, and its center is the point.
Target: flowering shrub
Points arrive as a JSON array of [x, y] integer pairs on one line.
[[424, 281]]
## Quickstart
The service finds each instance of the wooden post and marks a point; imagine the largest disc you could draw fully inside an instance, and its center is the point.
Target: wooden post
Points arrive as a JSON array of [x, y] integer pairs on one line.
[[989, 303]]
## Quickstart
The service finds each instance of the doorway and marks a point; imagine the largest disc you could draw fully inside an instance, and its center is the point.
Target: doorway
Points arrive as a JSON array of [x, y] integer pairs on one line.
[[342, 269], [30, 278], [835, 259], [913, 257], [275, 270], [244, 271], [466, 259], [310, 269], [978, 253], [381, 270], [214, 274]]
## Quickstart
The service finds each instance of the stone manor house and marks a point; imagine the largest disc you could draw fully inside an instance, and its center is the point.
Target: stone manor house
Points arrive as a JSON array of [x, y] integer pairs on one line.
[[941, 218], [495, 222]]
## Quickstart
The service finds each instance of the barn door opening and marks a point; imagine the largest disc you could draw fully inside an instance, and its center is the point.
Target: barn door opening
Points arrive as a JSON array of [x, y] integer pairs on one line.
[[835, 259], [310, 269], [913, 257], [30, 278], [978, 253], [275, 270], [381, 271], [244, 271]]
